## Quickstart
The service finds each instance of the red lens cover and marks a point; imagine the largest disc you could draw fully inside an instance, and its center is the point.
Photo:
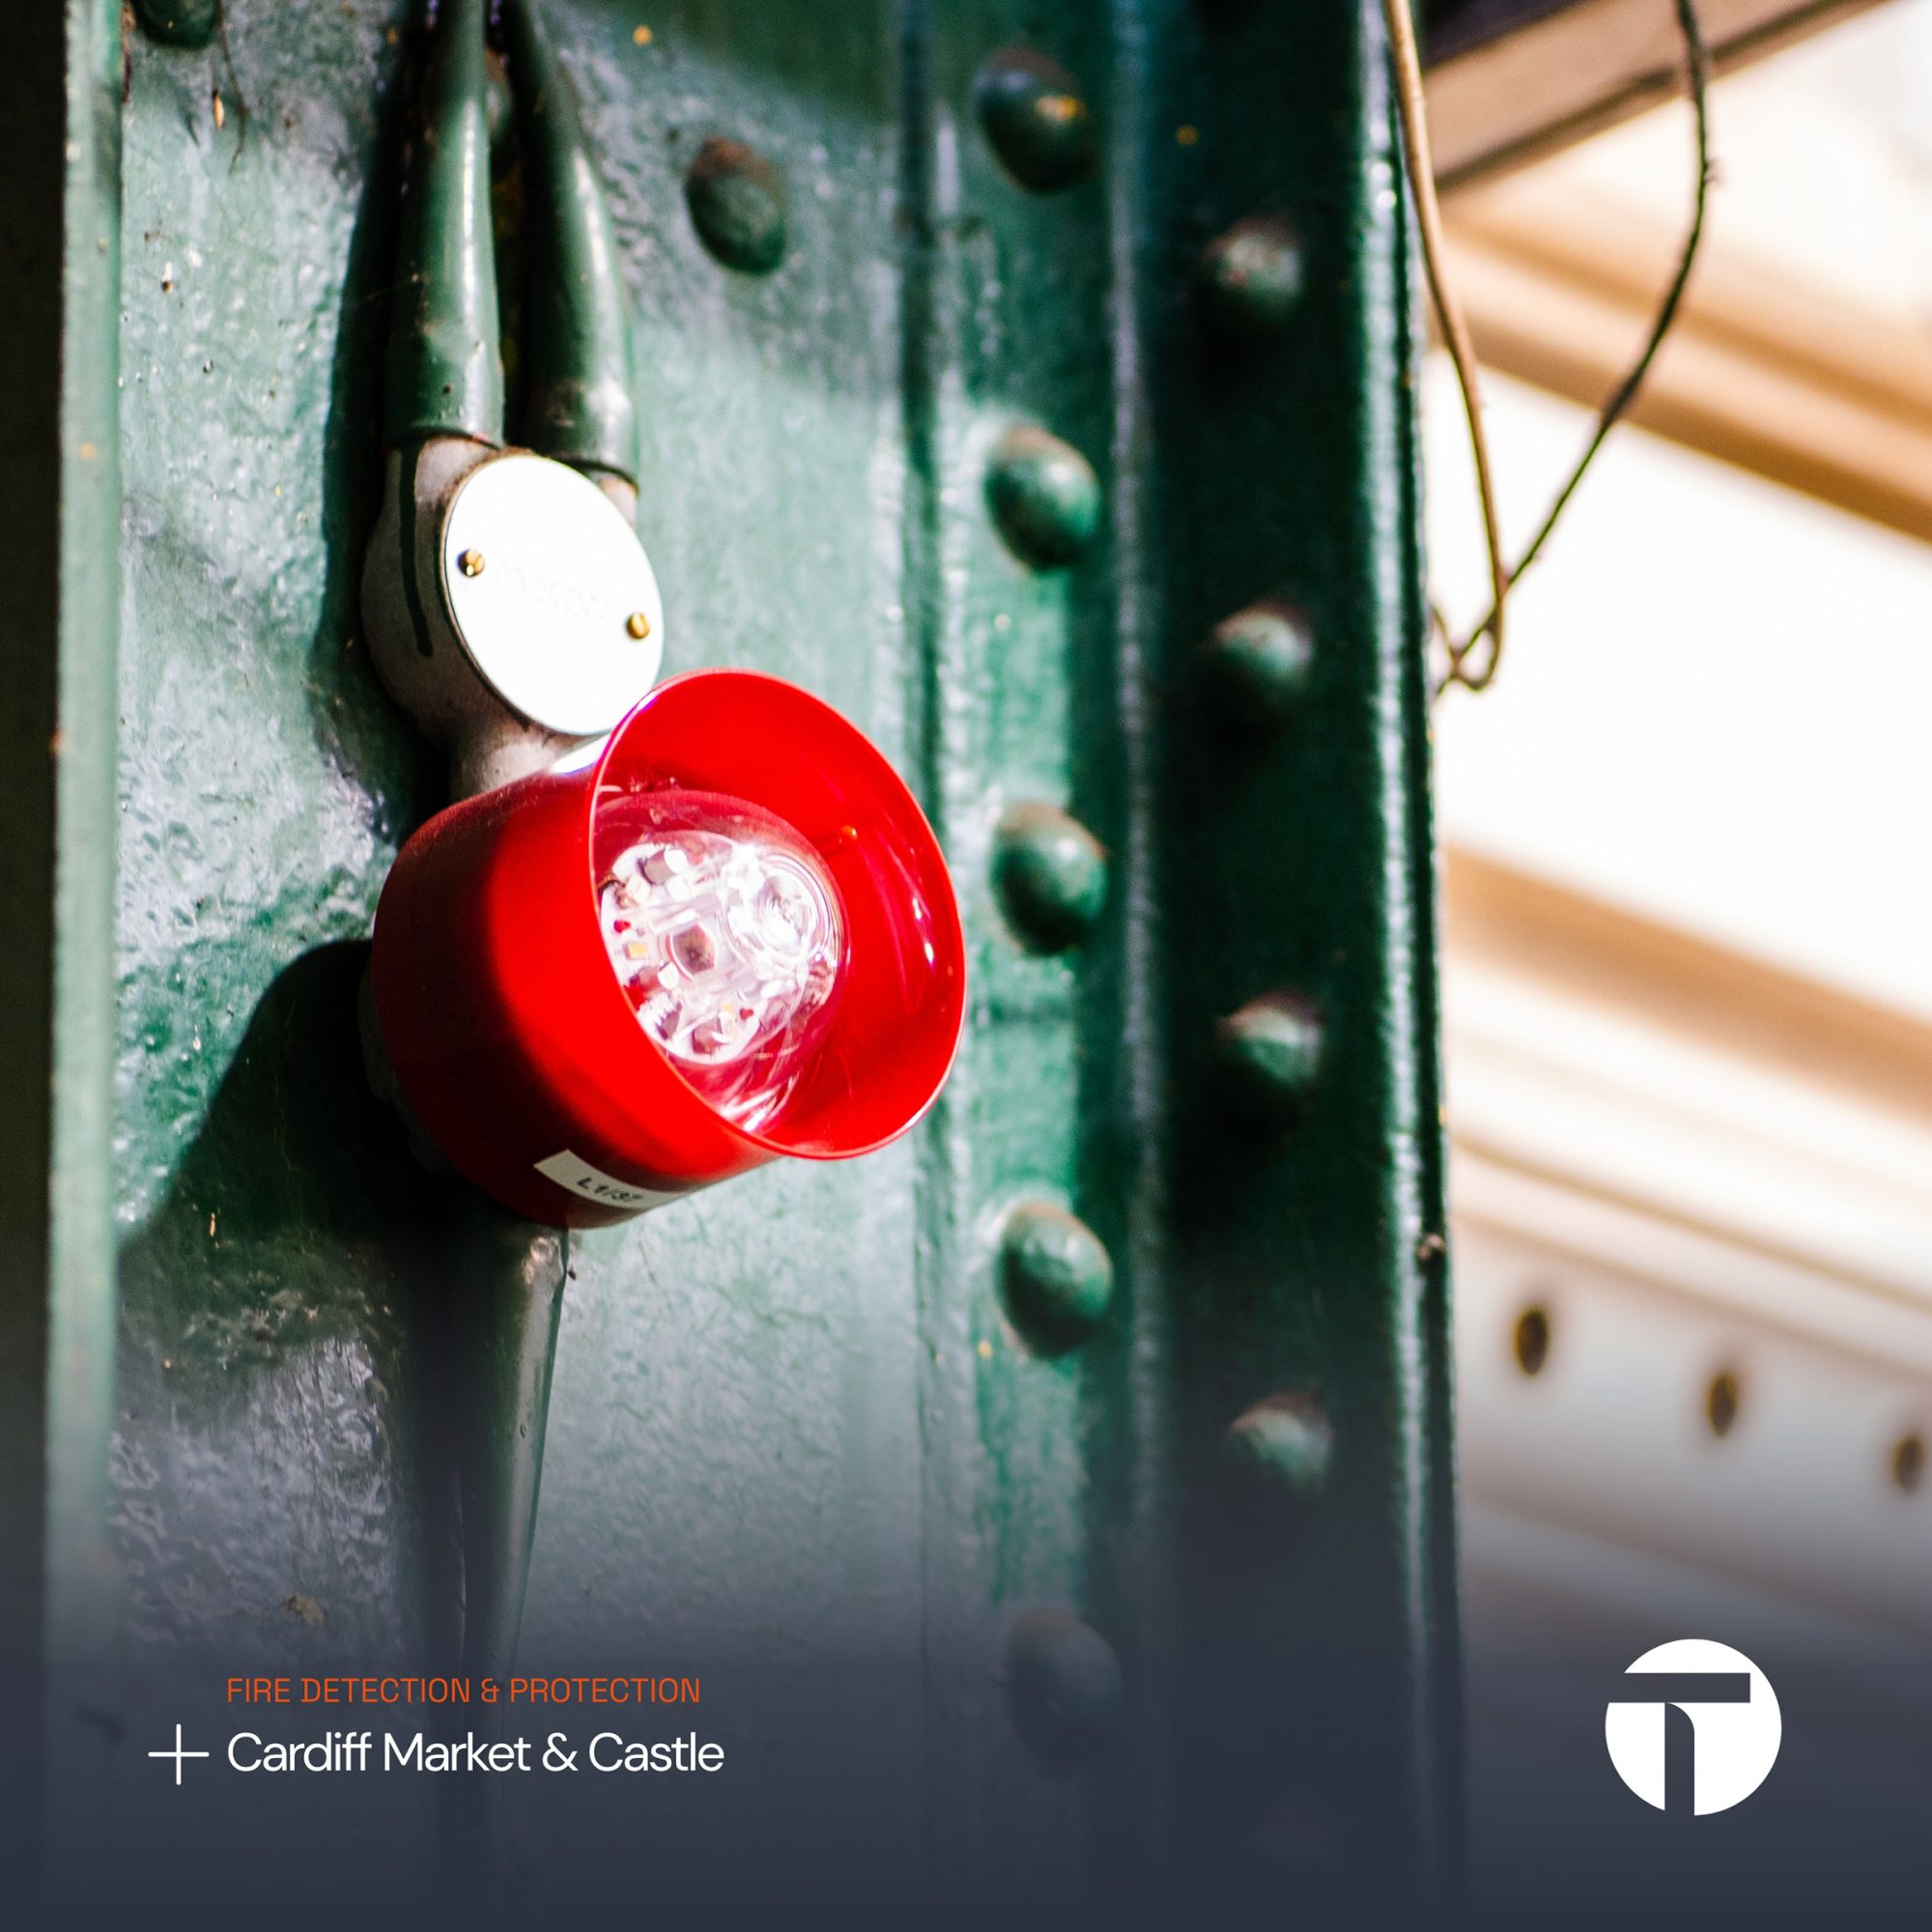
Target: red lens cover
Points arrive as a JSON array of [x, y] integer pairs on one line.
[[512, 1040]]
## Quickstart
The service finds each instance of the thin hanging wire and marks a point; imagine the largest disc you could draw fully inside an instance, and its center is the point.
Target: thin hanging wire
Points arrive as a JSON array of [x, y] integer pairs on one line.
[[1465, 666]]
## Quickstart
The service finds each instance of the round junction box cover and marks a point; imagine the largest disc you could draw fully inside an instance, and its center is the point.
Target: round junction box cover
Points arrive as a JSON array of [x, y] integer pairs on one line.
[[551, 593]]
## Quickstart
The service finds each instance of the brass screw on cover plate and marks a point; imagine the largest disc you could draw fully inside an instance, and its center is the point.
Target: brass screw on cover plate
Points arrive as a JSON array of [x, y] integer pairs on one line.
[[637, 624], [470, 563]]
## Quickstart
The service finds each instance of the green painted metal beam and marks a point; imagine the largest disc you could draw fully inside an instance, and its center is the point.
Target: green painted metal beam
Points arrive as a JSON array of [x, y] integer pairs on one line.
[[60, 497], [1175, 243], [1037, 389], [1304, 1214]]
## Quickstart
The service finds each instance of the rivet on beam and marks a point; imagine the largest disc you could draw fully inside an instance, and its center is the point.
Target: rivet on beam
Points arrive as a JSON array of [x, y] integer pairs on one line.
[[178, 23], [1287, 1439], [1056, 1276], [1044, 494], [1250, 279], [737, 206], [1255, 668], [1268, 1055], [1050, 873], [1063, 1688], [1036, 118]]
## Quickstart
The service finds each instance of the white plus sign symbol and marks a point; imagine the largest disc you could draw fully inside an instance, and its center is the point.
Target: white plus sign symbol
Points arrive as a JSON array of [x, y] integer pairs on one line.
[[179, 1756]]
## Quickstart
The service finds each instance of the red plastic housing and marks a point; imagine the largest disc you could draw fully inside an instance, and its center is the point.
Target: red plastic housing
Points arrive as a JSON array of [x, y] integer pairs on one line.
[[512, 1040]]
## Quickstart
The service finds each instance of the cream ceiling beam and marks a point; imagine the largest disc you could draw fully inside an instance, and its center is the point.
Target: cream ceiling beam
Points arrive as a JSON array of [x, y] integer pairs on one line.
[[1594, 63], [1778, 376]]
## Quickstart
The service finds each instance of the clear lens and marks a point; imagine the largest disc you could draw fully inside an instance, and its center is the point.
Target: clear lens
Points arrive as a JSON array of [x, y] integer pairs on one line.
[[727, 935]]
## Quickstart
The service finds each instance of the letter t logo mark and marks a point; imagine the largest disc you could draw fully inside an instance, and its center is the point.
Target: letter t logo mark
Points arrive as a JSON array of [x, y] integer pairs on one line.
[[1693, 1726]]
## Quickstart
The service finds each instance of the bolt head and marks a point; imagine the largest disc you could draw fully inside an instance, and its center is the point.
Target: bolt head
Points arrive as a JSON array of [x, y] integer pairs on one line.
[[638, 625], [1064, 1688], [470, 563], [737, 206], [1036, 120], [1050, 874], [1044, 497], [1056, 1276]]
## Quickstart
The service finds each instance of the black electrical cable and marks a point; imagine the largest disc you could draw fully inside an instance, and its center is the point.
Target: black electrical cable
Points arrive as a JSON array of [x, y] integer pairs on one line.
[[1408, 92]]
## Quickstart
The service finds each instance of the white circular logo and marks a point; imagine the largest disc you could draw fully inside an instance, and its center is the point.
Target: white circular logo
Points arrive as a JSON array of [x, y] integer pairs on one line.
[[1694, 1726]]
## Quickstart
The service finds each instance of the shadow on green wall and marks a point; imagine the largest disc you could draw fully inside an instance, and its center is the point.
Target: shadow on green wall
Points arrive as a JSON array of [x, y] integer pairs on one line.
[[294, 1267]]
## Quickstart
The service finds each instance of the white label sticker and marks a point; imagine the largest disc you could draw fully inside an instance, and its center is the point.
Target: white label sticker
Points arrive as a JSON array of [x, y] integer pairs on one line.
[[567, 1169]]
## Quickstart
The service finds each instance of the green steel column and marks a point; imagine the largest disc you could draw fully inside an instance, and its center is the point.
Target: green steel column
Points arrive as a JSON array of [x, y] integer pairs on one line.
[[60, 497], [1025, 1289], [1316, 1701], [1053, 417], [1162, 562]]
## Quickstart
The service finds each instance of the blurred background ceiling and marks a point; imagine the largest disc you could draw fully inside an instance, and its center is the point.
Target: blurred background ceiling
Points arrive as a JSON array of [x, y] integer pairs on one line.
[[1514, 79], [1710, 712], [1687, 969]]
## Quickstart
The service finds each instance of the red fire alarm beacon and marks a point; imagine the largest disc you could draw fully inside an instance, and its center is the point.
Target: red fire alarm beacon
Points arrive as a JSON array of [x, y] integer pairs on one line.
[[730, 937]]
